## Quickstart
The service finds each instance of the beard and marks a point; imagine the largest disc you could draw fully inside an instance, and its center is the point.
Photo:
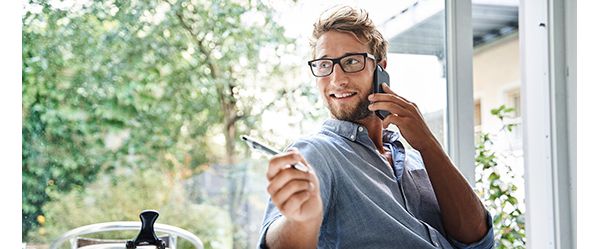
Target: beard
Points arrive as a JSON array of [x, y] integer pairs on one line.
[[352, 114]]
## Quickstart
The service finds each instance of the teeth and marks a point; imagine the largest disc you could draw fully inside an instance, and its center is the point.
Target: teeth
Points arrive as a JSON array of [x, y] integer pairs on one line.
[[343, 95]]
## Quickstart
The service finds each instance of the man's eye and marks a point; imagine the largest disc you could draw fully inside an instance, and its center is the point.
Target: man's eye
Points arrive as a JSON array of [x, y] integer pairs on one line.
[[351, 61], [324, 65]]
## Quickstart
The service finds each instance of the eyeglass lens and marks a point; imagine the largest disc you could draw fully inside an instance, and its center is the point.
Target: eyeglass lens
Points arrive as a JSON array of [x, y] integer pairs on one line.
[[349, 63]]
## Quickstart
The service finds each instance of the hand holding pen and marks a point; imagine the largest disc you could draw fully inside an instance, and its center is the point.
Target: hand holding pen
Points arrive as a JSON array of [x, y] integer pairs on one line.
[[293, 186]]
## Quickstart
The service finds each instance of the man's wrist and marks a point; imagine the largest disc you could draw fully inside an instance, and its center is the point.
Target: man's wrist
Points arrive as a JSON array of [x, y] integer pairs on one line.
[[289, 233], [429, 145], [305, 225]]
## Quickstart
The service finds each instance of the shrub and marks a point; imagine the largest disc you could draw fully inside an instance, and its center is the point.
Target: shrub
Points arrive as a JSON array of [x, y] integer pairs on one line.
[[495, 185]]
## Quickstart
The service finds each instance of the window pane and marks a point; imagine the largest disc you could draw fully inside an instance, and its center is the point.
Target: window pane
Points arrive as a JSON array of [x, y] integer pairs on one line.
[[496, 87], [139, 105], [420, 79], [417, 60]]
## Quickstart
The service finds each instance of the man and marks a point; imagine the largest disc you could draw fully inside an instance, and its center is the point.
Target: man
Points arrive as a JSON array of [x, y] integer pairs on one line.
[[364, 188]]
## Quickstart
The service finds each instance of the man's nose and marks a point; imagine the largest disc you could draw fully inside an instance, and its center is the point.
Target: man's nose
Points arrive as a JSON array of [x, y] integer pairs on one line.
[[338, 76]]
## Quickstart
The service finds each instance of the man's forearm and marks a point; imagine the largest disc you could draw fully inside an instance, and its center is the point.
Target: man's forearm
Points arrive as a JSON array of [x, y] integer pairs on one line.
[[463, 214], [284, 233]]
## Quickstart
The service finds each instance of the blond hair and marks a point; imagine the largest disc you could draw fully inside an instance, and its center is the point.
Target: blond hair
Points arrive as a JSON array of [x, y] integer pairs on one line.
[[354, 21]]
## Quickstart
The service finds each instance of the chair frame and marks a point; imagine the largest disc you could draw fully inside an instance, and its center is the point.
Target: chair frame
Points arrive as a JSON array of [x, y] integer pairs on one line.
[[73, 234]]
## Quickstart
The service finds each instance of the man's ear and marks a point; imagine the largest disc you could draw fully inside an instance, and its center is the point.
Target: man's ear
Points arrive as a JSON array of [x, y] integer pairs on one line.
[[383, 63]]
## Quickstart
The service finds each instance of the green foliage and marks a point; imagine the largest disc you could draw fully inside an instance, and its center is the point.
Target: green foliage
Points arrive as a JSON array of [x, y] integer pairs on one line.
[[113, 85], [495, 185], [122, 196], [502, 113]]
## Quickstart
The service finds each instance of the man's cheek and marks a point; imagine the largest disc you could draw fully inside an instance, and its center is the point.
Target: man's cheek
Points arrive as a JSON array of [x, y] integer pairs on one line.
[[322, 90]]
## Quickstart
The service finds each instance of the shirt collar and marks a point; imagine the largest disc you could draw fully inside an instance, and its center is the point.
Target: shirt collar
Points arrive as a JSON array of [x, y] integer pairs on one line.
[[350, 130], [343, 128]]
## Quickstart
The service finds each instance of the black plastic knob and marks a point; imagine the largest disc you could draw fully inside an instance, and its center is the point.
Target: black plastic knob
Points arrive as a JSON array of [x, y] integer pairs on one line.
[[147, 236]]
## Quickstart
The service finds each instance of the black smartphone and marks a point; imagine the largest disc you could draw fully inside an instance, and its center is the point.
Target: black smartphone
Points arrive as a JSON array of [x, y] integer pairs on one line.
[[379, 77]]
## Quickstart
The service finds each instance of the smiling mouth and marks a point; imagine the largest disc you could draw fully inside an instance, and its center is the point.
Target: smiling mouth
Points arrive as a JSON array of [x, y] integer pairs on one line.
[[342, 95]]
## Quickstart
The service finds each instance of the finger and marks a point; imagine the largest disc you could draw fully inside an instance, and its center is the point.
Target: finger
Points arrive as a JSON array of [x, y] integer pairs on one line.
[[312, 177], [291, 188], [377, 97], [302, 161], [407, 101], [392, 119], [387, 89], [391, 107], [280, 180], [282, 161], [295, 201]]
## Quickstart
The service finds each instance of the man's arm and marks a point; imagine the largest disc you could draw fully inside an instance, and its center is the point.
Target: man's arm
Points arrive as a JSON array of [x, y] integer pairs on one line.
[[284, 233], [463, 215], [297, 196]]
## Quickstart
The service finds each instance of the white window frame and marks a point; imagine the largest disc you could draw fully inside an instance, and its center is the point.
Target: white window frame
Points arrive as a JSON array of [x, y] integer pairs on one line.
[[548, 121], [548, 97], [459, 49]]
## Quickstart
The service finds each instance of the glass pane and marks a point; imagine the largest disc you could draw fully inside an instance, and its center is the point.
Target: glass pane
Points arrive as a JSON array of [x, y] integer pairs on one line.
[[417, 60], [136, 105], [496, 89]]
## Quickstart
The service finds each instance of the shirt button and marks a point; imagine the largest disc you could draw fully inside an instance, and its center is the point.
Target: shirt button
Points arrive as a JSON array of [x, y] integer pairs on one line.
[[352, 137], [360, 129]]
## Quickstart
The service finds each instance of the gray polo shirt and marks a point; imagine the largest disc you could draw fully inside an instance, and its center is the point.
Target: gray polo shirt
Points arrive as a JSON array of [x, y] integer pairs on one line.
[[367, 203]]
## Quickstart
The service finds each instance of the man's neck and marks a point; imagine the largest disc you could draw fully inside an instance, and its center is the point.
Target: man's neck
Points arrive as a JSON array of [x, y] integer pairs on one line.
[[374, 127]]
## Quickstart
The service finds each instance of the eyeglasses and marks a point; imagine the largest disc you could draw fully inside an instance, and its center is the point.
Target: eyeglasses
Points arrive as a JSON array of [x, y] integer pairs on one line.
[[350, 63]]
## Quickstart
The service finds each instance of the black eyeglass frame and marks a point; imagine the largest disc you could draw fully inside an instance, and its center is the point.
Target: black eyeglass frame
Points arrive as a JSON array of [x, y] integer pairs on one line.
[[339, 59]]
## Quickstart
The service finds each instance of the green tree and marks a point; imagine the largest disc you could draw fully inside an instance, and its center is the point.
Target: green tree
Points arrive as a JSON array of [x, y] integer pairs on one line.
[[126, 84]]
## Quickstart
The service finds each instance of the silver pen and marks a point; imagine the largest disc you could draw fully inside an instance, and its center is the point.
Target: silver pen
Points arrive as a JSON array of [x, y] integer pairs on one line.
[[270, 151]]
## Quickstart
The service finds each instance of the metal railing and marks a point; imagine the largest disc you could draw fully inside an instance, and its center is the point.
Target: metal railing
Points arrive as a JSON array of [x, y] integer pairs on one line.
[[72, 235]]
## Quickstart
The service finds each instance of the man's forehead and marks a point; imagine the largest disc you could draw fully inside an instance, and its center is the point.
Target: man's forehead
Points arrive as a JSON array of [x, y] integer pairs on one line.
[[334, 44]]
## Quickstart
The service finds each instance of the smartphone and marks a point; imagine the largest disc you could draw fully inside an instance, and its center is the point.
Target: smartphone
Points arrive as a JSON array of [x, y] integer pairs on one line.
[[379, 77]]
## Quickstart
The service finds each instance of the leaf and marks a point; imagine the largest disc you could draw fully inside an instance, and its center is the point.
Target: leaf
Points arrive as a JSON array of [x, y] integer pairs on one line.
[[498, 189]]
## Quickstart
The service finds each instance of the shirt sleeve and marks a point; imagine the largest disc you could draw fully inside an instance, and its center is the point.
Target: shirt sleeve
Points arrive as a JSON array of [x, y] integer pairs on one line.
[[318, 162], [486, 242], [271, 215]]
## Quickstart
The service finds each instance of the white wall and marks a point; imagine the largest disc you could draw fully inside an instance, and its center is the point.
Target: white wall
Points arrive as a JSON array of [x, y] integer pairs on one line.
[[495, 72]]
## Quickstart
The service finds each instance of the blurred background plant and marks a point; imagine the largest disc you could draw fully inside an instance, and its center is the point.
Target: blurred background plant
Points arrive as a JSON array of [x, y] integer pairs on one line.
[[121, 197], [115, 90], [495, 184]]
